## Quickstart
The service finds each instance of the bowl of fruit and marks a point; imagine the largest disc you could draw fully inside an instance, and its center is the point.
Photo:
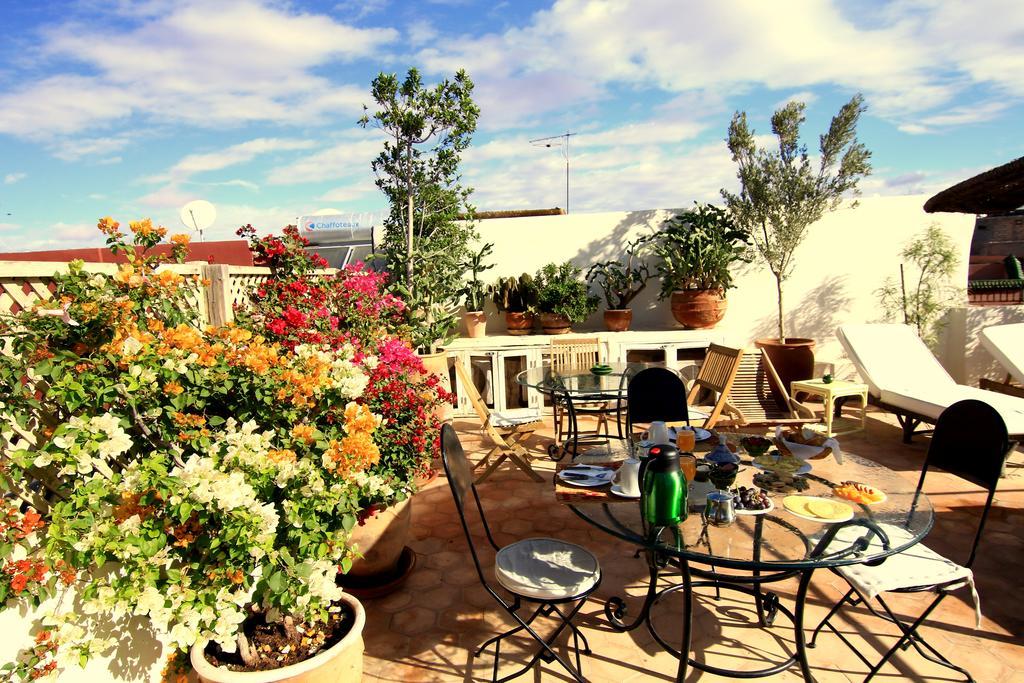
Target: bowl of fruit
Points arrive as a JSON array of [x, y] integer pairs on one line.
[[749, 500], [756, 445]]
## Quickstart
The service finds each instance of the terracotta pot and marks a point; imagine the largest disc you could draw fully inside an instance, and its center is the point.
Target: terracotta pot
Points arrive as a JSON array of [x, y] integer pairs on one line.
[[437, 364], [341, 662], [792, 357], [618, 319], [476, 324], [552, 323], [380, 540], [698, 309], [519, 323]]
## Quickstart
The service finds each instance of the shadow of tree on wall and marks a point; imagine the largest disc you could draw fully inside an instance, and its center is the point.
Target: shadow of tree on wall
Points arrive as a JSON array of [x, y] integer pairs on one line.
[[816, 315], [612, 244]]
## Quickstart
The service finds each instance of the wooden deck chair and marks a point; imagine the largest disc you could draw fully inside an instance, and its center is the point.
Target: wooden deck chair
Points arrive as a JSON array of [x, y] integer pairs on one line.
[[751, 402], [717, 374], [505, 432], [578, 352]]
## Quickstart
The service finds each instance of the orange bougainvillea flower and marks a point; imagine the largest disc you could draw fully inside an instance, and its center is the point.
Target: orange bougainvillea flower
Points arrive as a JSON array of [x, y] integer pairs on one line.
[[304, 433], [126, 275], [172, 388], [108, 226], [181, 239], [144, 228], [281, 455]]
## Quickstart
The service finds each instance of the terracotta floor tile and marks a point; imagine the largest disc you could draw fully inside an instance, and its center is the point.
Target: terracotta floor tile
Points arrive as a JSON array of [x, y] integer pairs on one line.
[[428, 630]]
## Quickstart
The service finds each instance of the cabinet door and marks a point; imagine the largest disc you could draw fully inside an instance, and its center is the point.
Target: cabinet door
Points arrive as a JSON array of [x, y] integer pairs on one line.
[[511, 397]]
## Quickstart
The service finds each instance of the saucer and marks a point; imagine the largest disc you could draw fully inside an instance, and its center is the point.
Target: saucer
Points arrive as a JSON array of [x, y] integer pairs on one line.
[[617, 490]]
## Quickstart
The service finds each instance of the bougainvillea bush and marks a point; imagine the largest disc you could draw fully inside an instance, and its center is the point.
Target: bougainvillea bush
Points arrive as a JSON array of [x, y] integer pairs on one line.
[[195, 476], [351, 308]]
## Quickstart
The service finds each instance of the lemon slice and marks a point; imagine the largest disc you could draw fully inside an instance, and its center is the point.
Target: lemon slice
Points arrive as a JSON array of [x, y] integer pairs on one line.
[[828, 509]]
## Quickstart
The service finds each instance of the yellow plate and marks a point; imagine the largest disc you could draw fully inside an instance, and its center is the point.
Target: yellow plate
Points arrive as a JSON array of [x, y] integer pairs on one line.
[[818, 509]]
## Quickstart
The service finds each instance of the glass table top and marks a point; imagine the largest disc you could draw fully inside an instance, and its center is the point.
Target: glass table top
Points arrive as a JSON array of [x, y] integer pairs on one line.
[[579, 380], [780, 539]]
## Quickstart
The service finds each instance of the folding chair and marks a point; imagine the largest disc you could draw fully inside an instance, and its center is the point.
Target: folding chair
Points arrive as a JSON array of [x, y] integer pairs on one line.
[[971, 442], [717, 374], [506, 432], [655, 394], [578, 352], [550, 573], [757, 397]]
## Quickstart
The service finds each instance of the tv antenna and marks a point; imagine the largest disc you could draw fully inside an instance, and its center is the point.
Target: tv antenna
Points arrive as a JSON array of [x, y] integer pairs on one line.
[[198, 214], [561, 141]]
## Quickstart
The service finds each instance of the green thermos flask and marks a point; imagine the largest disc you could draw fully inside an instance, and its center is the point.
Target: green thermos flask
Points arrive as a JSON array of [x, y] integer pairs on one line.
[[663, 486]]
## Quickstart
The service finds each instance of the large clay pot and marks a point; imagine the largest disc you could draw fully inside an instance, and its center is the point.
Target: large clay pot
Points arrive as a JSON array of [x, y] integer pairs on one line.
[[792, 358], [618, 319], [552, 323], [698, 309], [476, 324], [437, 364], [380, 540], [519, 323], [341, 662]]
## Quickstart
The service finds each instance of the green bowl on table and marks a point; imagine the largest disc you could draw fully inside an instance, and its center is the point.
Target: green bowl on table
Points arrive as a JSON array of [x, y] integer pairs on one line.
[[601, 369]]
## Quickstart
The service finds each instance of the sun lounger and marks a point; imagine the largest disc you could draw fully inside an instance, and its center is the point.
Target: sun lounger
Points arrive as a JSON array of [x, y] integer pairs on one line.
[[1006, 344], [904, 377]]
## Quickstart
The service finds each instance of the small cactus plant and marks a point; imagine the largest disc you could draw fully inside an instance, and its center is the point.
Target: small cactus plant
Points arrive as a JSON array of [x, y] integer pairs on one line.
[[515, 294]]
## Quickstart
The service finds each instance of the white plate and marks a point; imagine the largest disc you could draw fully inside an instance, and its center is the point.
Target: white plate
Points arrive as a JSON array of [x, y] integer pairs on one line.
[[587, 480], [771, 506], [617, 490], [700, 434], [822, 520], [804, 469]]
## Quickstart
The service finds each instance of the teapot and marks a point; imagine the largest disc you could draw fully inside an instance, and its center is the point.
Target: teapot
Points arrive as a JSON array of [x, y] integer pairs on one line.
[[721, 454]]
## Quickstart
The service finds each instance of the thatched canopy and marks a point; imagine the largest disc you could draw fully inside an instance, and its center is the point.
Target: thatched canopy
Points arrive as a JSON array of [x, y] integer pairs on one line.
[[999, 190]]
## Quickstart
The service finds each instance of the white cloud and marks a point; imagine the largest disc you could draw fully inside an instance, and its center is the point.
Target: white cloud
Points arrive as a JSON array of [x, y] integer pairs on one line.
[[192, 62], [9, 227], [72, 149], [11, 178], [349, 193], [347, 159], [231, 156], [805, 96]]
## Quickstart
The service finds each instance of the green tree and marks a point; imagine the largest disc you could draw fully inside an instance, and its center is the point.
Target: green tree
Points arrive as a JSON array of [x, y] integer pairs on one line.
[[782, 193], [934, 257], [425, 243]]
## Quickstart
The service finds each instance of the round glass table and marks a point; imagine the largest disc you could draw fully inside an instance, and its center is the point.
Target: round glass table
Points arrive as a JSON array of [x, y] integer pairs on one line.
[[758, 549], [572, 386]]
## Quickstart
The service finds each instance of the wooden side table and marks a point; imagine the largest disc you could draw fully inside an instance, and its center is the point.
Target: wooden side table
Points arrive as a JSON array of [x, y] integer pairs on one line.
[[836, 389]]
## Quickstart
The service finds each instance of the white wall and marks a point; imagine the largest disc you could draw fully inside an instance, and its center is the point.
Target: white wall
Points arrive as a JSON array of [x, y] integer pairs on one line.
[[968, 360], [845, 258]]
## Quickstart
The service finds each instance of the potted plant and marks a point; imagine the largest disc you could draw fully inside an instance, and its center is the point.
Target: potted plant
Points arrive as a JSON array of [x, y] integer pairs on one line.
[[562, 297], [208, 478], [517, 298], [697, 250], [426, 233], [475, 292], [781, 194], [620, 283]]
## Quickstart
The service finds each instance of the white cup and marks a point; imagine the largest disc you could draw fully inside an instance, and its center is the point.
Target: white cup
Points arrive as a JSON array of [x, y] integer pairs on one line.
[[659, 432], [628, 477]]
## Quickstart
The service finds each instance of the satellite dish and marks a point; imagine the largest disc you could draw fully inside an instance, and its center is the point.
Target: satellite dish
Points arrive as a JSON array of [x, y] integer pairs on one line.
[[198, 214]]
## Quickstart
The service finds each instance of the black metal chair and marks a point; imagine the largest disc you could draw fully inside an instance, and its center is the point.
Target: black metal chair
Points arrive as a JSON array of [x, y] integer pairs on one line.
[[547, 572], [655, 394], [971, 442]]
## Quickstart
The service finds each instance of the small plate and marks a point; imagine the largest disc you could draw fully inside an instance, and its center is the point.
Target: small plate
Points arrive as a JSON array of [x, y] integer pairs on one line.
[[771, 506], [617, 490], [803, 469], [589, 478], [821, 520], [699, 433]]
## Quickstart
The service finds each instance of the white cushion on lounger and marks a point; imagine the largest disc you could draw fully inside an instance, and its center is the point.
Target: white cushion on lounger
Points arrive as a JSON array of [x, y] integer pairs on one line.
[[499, 420], [546, 568], [1006, 344], [932, 403], [892, 356]]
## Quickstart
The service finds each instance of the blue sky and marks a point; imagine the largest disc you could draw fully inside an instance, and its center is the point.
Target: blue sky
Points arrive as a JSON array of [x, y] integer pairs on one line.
[[132, 108]]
